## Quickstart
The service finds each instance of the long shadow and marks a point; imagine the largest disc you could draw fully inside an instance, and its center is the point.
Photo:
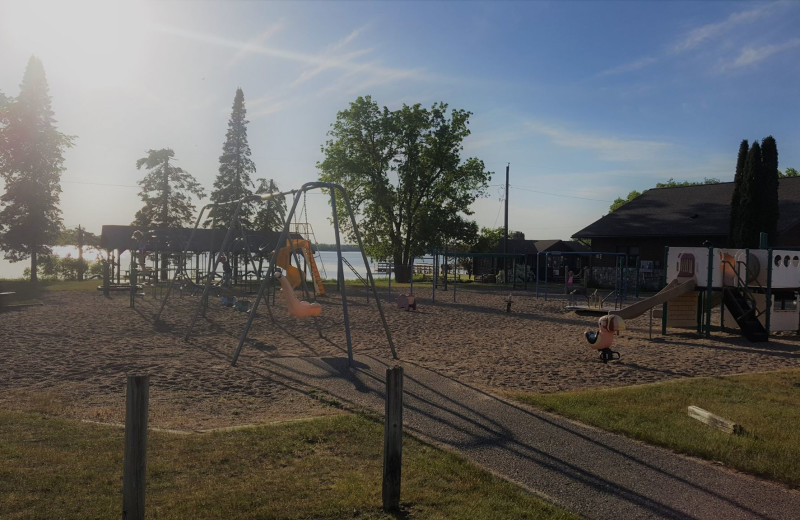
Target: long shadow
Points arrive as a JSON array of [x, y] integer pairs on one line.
[[495, 434]]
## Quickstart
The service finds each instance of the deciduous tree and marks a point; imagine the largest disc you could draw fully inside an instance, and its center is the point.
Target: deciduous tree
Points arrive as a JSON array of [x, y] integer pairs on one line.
[[405, 177], [31, 163]]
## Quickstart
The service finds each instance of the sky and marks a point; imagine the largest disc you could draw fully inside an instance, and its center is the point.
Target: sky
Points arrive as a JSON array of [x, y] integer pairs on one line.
[[583, 101]]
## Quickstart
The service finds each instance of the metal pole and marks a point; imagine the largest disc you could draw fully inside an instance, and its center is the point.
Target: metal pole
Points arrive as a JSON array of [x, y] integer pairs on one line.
[[266, 283], [340, 267], [370, 278]]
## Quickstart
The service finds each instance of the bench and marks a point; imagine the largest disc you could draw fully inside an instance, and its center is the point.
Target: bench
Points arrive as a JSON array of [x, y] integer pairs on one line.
[[4, 297]]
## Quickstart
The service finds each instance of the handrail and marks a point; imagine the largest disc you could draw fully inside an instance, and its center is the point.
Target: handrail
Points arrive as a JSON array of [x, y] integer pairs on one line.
[[742, 284]]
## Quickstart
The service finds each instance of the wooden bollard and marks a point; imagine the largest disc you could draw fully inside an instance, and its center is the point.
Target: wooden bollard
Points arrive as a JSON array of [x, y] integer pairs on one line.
[[393, 439], [135, 465]]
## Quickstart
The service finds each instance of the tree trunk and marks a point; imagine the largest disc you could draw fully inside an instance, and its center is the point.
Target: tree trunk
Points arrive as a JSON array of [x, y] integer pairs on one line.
[[33, 268]]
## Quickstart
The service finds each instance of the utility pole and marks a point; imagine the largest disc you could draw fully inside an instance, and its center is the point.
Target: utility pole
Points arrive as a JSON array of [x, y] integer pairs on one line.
[[505, 228]]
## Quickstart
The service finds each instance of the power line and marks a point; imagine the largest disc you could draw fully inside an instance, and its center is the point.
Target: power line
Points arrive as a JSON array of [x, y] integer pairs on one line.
[[100, 184], [559, 195]]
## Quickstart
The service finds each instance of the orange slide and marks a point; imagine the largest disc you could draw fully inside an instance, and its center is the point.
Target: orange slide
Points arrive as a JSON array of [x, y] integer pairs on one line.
[[283, 261]]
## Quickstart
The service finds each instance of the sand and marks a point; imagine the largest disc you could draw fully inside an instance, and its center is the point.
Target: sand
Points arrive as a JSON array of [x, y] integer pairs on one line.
[[71, 356]]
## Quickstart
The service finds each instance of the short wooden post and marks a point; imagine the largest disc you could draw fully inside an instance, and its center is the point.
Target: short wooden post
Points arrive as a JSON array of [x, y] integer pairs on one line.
[[106, 276], [720, 423], [393, 439], [134, 469]]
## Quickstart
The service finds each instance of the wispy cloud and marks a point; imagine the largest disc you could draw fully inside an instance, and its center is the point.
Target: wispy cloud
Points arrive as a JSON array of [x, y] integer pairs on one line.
[[630, 67], [257, 41], [704, 33], [752, 55], [607, 148]]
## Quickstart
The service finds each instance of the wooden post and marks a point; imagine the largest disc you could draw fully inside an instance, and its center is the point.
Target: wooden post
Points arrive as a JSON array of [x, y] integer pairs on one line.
[[716, 421], [393, 439], [134, 469], [106, 280]]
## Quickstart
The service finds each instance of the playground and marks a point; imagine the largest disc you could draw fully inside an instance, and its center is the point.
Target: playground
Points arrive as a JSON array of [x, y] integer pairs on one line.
[[71, 354]]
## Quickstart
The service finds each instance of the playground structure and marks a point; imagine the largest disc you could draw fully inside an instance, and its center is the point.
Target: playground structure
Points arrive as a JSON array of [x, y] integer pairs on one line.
[[337, 193], [756, 291], [445, 269]]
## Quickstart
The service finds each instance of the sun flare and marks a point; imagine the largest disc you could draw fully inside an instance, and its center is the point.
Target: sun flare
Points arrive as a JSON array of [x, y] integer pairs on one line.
[[99, 43]]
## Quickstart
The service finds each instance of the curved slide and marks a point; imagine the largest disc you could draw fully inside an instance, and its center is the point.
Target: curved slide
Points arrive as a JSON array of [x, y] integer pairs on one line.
[[674, 289], [297, 308], [283, 261]]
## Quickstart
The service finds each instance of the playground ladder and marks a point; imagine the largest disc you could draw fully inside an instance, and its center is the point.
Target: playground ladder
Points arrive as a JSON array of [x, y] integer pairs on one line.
[[355, 272], [742, 304]]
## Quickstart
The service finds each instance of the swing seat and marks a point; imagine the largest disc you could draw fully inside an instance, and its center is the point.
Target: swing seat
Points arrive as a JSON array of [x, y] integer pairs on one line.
[[297, 308]]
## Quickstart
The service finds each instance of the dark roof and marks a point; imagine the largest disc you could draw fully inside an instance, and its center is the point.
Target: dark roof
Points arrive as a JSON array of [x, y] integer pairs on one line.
[[175, 239], [702, 210]]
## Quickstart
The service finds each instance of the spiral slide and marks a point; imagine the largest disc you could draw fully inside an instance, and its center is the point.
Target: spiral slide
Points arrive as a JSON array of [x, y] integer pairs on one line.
[[283, 261]]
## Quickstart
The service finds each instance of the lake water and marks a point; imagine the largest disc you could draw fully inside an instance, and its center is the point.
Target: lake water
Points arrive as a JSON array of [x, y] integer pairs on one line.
[[327, 267]]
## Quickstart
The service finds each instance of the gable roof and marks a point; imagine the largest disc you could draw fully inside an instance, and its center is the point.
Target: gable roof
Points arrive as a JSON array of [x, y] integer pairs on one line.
[[701, 210]]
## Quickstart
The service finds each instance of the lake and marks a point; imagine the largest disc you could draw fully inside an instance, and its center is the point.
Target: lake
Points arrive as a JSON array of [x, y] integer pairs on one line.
[[328, 267]]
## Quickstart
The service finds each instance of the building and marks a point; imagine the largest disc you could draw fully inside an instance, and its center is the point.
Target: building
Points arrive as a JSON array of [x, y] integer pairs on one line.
[[684, 216]]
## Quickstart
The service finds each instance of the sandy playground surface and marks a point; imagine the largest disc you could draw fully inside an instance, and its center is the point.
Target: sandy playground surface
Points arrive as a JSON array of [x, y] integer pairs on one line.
[[71, 355]]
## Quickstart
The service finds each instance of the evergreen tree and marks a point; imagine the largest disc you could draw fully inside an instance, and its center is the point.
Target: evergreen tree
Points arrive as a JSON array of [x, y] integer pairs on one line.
[[31, 162], [750, 213], [272, 214], [735, 221], [768, 187], [166, 192], [235, 167]]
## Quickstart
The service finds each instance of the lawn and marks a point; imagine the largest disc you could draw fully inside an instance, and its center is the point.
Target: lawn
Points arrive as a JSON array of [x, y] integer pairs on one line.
[[321, 468], [766, 405]]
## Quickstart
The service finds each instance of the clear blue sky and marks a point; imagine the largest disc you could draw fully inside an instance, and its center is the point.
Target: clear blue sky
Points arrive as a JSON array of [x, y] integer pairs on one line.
[[586, 100]]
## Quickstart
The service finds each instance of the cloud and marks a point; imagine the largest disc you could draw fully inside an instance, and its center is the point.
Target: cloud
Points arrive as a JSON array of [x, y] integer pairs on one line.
[[607, 148], [752, 55], [630, 67], [707, 32]]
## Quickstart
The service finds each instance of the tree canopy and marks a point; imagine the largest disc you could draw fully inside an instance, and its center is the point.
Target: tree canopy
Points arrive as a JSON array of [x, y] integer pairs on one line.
[[271, 215], [167, 192], [235, 167], [31, 163], [405, 177]]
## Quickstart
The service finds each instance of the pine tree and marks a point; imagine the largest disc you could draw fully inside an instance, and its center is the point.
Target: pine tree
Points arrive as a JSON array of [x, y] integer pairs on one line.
[[736, 200], [235, 167], [272, 214], [31, 163], [768, 187], [166, 192], [750, 214]]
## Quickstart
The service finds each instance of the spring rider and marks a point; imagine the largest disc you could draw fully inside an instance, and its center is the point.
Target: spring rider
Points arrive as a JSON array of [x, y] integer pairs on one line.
[[604, 337]]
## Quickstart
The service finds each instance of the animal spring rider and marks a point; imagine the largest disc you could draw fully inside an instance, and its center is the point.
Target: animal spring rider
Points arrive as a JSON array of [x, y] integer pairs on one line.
[[604, 337]]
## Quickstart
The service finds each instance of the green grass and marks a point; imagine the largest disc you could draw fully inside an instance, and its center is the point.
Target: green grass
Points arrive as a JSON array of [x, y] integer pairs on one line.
[[321, 468], [767, 405]]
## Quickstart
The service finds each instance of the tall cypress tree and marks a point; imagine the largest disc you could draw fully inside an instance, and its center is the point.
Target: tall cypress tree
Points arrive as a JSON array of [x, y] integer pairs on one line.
[[734, 234], [31, 163], [235, 167], [750, 213], [768, 187]]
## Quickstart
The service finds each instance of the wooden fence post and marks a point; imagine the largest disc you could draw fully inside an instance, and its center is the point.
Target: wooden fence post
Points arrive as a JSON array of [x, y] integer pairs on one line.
[[135, 465], [105, 278], [393, 439]]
